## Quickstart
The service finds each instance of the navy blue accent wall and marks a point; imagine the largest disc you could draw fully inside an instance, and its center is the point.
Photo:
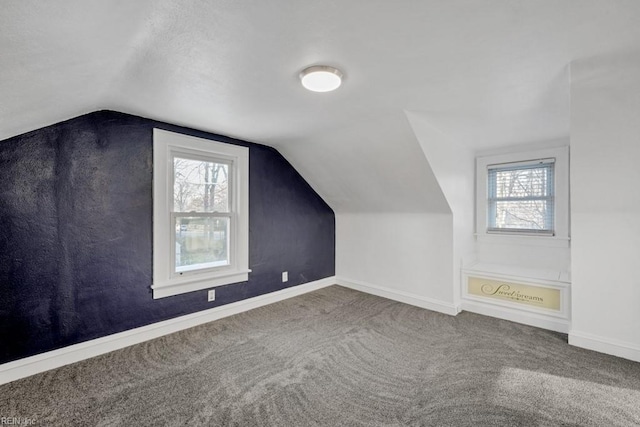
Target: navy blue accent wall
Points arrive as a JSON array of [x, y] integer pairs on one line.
[[76, 232]]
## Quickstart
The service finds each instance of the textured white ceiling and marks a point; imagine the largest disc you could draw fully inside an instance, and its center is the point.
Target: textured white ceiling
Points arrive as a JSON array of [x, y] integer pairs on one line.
[[485, 72]]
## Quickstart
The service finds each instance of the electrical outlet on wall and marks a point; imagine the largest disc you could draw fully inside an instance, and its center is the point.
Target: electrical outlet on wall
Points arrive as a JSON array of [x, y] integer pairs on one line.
[[285, 276], [211, 295]]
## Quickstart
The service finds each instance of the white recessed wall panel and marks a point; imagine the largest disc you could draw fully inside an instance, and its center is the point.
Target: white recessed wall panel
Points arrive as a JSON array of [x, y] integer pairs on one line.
[[403, 254], [453, 167], [605, 204]]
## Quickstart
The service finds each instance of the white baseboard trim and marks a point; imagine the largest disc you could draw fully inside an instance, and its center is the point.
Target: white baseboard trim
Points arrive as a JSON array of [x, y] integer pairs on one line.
[[518, 316], [28, 366], [400, 296], [622, 349]]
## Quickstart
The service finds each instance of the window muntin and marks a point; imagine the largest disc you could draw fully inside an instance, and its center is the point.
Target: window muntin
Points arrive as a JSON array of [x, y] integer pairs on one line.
[[521, 197]]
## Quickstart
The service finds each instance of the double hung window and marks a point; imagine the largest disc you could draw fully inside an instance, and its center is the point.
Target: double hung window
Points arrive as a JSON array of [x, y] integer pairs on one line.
[[521, 197], [200, 214]]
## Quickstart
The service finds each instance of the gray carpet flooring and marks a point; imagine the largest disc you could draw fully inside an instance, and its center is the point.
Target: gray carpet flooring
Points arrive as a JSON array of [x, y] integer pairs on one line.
[[337, 357]]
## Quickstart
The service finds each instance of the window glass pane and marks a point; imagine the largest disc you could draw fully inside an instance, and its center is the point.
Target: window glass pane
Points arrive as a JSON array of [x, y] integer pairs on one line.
[[200, 186], [521, 197], [201, 242], [529, 182], [526, 215]]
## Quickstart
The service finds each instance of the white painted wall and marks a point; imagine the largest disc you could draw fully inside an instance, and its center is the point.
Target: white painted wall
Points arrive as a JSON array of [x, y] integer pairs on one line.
[[605, 203], [453, 167], [516, 253], [393, 224], [408, 254]]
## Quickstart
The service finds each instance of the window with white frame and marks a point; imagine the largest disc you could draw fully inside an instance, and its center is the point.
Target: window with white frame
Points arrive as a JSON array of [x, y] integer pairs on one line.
[[524, 194], [521, 197], [200, 230]]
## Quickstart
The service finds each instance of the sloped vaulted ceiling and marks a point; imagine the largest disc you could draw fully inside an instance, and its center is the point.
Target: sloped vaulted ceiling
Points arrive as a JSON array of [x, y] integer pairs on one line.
[[486, 73]]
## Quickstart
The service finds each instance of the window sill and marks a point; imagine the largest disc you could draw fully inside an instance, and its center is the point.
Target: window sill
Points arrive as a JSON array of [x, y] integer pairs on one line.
[[517, 273], [195, 283]]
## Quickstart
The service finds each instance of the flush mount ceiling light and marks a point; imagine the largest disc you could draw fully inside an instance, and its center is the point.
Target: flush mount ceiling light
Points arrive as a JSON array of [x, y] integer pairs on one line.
[[321, 78]]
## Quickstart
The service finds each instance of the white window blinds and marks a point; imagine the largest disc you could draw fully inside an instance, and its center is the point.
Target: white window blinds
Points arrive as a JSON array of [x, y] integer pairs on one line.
[[521, 197]]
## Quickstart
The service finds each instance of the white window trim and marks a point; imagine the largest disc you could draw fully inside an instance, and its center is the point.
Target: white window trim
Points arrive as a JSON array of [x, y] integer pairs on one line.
[[560, 238], [165, 283]]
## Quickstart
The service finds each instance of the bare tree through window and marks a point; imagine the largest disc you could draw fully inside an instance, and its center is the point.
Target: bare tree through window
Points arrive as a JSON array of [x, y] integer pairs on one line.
[[521, 198], [201, 206], [200, 186]]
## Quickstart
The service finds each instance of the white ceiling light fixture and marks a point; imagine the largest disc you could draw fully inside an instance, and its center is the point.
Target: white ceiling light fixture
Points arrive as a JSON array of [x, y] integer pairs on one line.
[[321, 78]]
